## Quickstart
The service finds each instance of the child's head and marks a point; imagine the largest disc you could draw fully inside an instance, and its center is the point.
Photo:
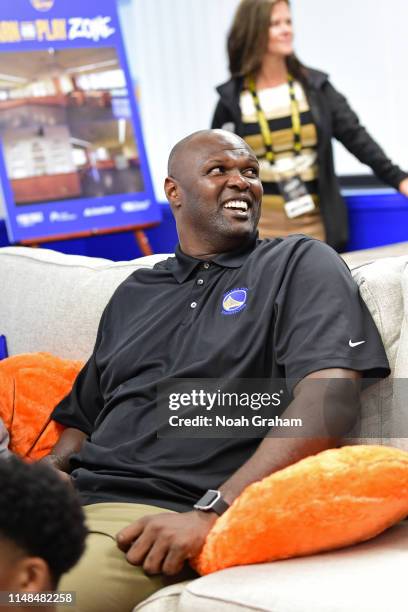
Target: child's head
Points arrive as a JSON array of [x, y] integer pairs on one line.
[[42, 530]]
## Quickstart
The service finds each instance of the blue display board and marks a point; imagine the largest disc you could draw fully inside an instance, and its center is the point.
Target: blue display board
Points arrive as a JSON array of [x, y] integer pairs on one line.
[[72, 158]]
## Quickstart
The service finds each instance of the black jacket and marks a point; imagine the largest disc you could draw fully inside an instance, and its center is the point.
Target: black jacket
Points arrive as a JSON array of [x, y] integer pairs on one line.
[[332, 116]]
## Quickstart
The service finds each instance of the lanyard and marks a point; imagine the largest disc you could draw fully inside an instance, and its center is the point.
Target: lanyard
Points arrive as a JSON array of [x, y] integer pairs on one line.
[[264, 125]]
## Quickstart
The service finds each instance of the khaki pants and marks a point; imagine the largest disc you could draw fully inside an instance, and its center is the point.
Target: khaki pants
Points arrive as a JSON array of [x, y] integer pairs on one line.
[[103, 580]]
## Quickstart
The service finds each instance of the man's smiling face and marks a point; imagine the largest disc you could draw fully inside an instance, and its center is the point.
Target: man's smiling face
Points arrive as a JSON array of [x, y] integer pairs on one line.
[[218, 194]]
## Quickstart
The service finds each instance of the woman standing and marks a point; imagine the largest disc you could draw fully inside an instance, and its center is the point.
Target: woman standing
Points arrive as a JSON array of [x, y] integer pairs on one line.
[[288, 114]]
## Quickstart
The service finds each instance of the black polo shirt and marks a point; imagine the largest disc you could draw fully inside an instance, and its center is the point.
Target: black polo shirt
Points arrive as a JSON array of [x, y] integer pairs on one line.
[[280, 308]]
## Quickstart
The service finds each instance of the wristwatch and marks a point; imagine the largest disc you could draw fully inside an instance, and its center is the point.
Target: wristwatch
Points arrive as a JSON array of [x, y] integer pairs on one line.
[[212, 500]]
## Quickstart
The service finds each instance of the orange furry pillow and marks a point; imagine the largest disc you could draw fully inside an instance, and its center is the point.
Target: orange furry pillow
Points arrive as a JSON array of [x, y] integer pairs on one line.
[[333, 499], [31, 385]]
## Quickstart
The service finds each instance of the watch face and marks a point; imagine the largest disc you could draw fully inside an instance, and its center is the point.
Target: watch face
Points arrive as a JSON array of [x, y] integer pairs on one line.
[[209, 498]]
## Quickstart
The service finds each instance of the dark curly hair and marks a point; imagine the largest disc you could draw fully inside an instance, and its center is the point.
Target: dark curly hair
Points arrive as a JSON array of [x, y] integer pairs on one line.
[[41, 514]]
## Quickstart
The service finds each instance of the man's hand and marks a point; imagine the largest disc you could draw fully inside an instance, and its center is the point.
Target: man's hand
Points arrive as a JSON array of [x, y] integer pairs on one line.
[[53, 461], [162, 542], [65, 477]]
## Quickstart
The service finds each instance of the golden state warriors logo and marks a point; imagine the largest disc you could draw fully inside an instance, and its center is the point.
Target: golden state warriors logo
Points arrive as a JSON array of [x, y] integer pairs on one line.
[[42, 5], [234, 301]]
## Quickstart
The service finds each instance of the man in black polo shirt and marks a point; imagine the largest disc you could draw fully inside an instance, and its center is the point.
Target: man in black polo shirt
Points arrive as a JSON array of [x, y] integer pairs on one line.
[[226, 305]]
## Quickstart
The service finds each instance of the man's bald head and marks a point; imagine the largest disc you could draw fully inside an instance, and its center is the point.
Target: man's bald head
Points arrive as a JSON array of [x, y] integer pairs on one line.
[[192, 143], [214, 191]]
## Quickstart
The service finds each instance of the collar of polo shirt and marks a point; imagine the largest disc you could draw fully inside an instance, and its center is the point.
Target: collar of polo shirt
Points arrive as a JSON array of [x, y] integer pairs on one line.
[[182, 265]]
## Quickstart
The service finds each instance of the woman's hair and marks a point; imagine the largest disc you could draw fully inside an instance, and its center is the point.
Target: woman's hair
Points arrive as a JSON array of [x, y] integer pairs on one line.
[[248, 39]]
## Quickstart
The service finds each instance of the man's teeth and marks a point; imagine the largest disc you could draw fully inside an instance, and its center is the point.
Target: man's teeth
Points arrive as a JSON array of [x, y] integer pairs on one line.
[[237, 204]]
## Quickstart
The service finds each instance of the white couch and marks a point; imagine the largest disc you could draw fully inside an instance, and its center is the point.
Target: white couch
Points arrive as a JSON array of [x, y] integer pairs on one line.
[[52, 302]]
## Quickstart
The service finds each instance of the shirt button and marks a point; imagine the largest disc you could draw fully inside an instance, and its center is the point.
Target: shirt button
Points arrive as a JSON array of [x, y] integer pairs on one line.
[[193, 305], [200, 281], [206, 266]]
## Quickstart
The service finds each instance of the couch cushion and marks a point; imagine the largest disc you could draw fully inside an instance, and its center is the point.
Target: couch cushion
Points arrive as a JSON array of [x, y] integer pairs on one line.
[[401, 362], [383, 285], [380, 287], [52, 302], [4, 441], [165, 600], [369, 577], [396, 421]]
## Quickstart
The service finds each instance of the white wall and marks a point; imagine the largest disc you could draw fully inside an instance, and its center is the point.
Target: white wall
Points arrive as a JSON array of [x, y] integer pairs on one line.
[[363, 45], [176, 49]]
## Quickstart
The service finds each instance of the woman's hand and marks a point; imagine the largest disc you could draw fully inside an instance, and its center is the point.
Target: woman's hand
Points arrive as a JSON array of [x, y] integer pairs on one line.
[[403, 187]]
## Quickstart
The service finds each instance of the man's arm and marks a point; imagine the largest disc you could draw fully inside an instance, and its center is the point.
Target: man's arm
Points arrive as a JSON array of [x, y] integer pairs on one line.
[[163, 542], [69, 443], [77, 411], [334, 391]]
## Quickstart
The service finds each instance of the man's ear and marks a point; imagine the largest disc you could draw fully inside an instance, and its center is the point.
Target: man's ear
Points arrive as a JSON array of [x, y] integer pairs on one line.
[[32, 574], [172, 192]]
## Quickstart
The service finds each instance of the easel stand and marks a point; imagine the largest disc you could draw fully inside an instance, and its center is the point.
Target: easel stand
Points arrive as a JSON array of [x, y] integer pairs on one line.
[[139, 234]]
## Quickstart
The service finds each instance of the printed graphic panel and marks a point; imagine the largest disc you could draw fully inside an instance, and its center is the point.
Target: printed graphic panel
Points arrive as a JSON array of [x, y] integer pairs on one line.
[[72, 157]]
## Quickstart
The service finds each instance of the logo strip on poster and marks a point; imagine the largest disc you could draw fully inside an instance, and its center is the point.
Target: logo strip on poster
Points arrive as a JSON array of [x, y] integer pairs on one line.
[[52, 30]]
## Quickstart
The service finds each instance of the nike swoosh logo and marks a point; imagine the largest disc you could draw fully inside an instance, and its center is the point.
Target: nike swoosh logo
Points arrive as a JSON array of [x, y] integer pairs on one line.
[[353, 344]]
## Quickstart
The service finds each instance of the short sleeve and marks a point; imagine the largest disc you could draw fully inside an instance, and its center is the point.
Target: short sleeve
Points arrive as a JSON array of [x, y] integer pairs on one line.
[[81, 407], [321, 320]]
